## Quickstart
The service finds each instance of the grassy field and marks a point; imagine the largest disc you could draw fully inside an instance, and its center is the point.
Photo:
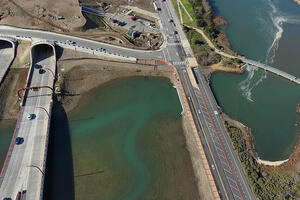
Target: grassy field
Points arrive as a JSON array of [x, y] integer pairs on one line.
[[185, 17]]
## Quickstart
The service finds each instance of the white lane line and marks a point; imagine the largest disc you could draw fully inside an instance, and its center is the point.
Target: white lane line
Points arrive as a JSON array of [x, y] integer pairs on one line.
[[237, 196]]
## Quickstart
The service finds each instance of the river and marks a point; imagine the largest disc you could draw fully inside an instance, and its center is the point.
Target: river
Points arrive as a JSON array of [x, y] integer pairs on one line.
[[267, 31]]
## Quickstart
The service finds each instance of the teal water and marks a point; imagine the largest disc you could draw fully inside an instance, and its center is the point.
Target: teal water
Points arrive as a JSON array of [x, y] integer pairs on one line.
[[271, 114], [267, 31], [122, 142], [6, 132]]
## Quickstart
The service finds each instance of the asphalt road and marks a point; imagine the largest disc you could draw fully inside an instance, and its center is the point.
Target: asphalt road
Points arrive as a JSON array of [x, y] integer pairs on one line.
[[6, 57], [19, 174], [224, 163]]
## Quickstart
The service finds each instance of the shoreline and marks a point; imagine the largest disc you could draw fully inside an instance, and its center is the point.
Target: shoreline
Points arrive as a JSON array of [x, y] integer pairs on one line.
[[297, 2], [271, 163], [270, 166]]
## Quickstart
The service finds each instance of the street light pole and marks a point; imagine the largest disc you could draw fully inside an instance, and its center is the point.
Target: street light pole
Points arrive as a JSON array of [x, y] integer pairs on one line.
[[51, 72], [45, 111], [34, 166]]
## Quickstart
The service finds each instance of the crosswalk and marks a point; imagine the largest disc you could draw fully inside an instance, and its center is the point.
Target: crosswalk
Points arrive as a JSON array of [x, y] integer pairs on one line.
[[179, 63]]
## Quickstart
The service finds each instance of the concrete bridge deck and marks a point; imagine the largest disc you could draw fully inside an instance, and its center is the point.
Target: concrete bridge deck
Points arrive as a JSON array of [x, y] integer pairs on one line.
[[271, 69], [23, 170], [7, 55]]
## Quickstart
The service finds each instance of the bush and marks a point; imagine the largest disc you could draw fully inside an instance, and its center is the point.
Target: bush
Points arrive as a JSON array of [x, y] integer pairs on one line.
[[265, 185]]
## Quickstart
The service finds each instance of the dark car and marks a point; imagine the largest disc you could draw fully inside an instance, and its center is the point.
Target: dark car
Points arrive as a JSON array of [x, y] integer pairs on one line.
[[38, 66], [41, 71], [7, 198], [19, 140]]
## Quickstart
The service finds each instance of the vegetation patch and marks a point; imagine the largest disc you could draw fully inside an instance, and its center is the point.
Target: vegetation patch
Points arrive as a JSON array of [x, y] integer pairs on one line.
[[265, 185], [204, 54]]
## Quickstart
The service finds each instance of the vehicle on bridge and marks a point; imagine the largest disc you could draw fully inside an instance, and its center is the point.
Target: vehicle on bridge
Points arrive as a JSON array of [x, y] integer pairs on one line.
[[41, 71], [31, 116], [19, 140]]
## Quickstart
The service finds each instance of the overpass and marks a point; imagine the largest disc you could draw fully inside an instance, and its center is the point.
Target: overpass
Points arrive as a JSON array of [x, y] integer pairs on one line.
[[273, 70], [7, 54], [22, 175]]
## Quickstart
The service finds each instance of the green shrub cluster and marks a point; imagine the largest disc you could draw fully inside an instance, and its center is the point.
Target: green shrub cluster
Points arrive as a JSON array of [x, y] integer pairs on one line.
[[265, 185]]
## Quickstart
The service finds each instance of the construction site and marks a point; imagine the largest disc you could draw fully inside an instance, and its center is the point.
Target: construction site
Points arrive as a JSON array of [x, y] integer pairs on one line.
[[131, 24]]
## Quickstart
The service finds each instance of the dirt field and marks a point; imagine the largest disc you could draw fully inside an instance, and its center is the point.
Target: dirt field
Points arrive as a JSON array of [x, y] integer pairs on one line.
[[22, 58], [15, 79], [42, 14]]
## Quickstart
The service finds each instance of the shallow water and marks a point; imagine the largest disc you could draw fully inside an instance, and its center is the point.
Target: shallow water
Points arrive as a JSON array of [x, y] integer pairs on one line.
[[6, 132], [269, 109], [124, 141]]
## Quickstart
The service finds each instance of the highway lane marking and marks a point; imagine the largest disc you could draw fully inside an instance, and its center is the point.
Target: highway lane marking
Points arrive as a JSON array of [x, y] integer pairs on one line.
[[221, 156], [219, 140], [208, 145], [237, 196], [226, 142]]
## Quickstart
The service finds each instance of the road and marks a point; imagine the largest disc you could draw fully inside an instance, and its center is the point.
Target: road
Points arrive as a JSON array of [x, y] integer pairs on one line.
[[224, 163], [7, 54], [27, 159]]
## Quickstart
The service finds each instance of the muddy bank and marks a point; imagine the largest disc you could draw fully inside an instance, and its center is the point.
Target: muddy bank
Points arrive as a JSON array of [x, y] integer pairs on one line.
[[80, 76], [9, 103]]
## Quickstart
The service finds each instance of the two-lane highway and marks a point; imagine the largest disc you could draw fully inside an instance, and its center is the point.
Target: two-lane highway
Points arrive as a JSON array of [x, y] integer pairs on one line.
[[22, 171], [7, 54]]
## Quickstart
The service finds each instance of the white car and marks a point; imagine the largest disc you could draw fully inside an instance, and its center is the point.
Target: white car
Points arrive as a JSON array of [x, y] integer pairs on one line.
[[213, 167]]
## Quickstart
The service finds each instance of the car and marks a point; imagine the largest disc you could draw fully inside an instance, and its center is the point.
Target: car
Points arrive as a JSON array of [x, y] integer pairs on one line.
[[7, 198], [175, 32], [31, 116], [71, 42], [19, 140], [41, 71], [171, 20], [213, 167], [37, 66]]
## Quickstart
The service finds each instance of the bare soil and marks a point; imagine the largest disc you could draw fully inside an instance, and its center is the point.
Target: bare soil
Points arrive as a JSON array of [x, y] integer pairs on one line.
[[22, 58], [9, 103], [65, 16]]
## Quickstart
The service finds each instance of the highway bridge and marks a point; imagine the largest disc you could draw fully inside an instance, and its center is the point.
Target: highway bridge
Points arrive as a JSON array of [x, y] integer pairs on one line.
[[7, 54], [22, 175]]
